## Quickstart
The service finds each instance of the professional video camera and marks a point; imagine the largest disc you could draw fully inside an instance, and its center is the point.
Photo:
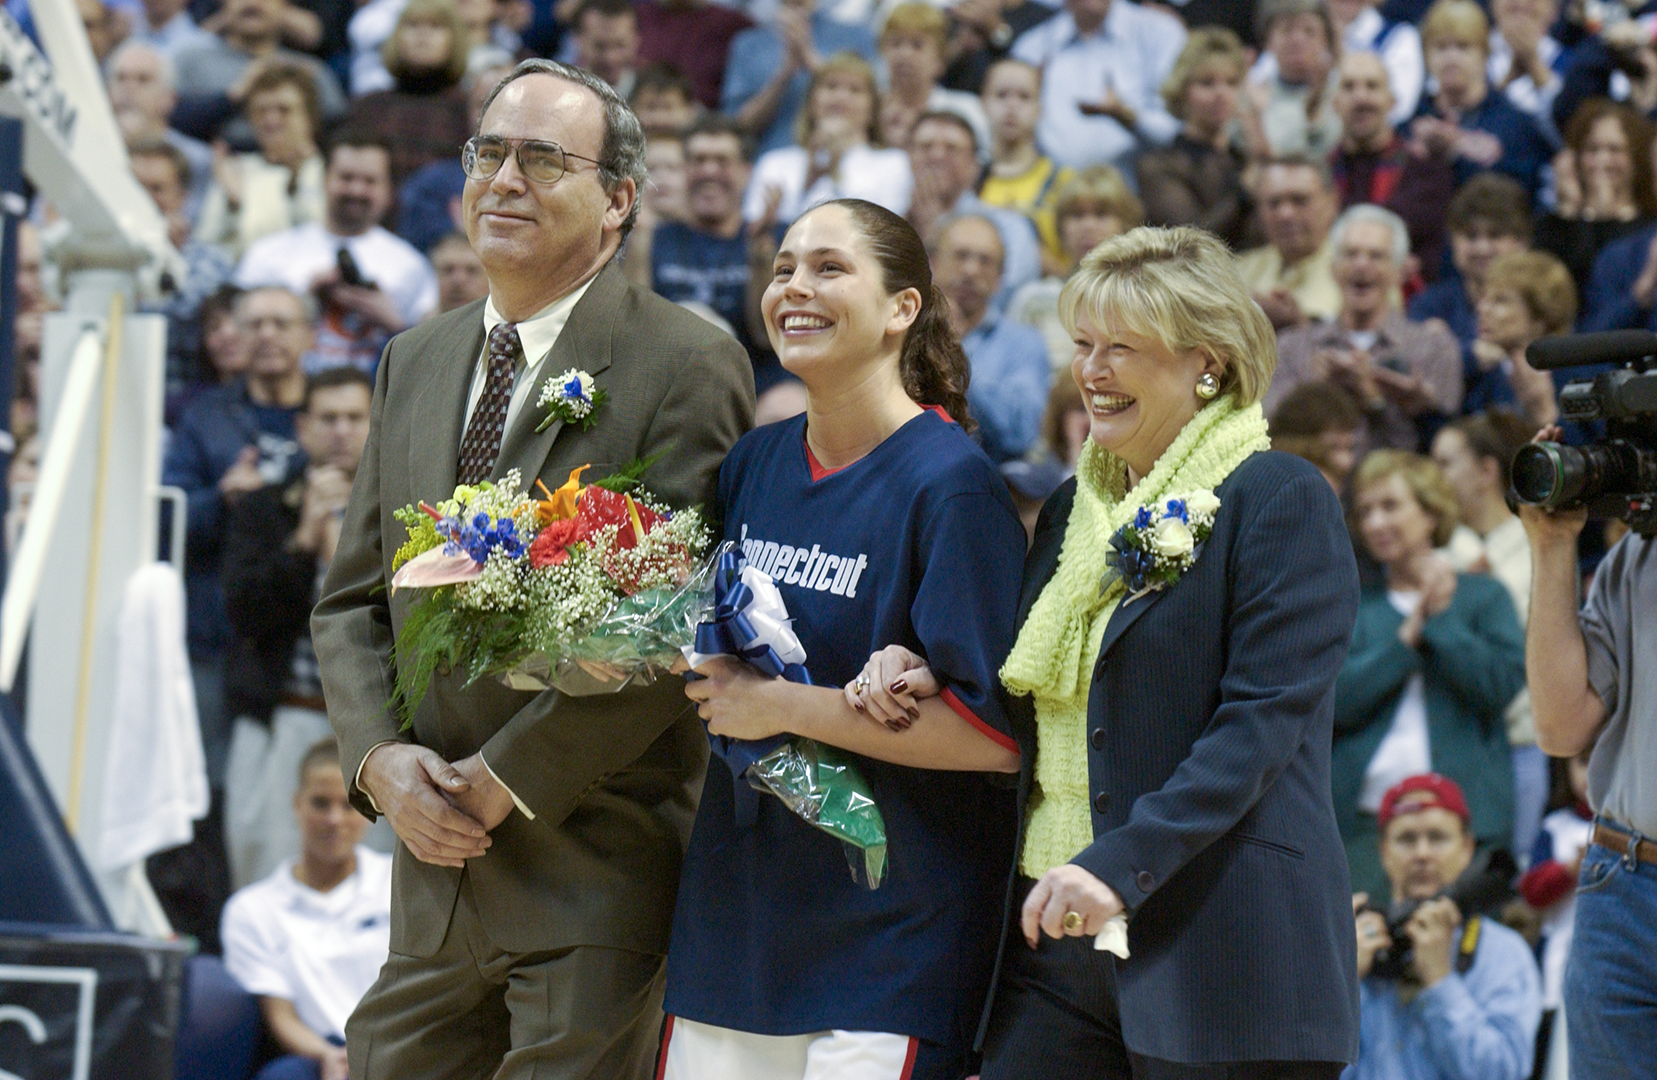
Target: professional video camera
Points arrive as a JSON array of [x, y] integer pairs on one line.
[[1616, 476], [1482, 887]]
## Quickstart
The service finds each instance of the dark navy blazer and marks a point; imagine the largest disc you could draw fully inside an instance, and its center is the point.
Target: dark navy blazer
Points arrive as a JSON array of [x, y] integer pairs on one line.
[[1209, 725]]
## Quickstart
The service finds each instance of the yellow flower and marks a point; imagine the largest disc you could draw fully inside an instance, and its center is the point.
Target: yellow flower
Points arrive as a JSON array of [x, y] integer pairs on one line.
[[560, 504]]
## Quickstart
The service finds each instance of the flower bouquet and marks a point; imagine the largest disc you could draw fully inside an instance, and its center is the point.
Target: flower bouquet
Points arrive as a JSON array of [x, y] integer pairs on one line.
[[819, 783], [588, 590]]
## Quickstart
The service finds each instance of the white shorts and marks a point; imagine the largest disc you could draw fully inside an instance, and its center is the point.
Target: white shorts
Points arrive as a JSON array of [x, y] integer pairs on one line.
[[693, 1051]]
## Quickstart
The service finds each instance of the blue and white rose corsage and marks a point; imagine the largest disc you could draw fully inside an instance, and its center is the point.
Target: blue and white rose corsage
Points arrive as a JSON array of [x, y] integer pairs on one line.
[[571, 397], [1160, 543]]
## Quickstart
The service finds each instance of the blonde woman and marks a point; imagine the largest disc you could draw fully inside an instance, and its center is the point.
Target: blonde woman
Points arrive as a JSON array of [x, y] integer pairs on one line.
[[1198, 180], [1435, 659], [838, 153], [424, 116], [279, 185], [1174, 720], [1527, 295], [1089, 209], [1479, 128]]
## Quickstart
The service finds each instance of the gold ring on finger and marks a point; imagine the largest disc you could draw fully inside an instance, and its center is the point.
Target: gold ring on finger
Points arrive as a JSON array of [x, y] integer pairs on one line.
[[1073, 922]]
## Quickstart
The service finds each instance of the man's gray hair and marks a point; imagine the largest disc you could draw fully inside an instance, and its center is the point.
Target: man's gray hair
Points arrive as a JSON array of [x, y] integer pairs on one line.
[[167, 69], [949, 220], [1374, 215], [622, 157], [308, 305]]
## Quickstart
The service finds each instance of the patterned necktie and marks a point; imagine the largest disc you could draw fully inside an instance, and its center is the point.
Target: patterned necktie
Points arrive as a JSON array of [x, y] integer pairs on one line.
[[482, 444]]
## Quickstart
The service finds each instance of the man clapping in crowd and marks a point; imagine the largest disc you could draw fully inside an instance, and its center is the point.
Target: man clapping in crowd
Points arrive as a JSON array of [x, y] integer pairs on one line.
[[279, 541]]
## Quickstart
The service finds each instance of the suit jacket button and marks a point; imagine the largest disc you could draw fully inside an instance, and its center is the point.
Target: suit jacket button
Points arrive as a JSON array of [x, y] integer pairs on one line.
[[1145, 881], [1096, 738], [1101, 800]]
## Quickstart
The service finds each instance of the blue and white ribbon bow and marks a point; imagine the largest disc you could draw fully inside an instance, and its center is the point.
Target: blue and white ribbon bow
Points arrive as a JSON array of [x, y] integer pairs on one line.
[[750, 621]]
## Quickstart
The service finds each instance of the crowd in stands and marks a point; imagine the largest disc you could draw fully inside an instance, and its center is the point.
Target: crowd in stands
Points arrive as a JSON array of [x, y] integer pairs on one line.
[[1414, 193]]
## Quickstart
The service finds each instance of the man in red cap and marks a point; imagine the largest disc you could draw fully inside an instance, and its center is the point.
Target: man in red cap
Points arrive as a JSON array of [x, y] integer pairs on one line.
[[1468, 1002]]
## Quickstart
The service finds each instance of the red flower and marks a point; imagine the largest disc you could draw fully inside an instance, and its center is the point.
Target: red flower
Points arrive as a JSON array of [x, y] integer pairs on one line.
[[551, 547], [601, 507]]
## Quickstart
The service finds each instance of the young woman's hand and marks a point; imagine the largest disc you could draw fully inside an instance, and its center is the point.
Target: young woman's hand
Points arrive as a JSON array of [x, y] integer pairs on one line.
[[736, 700], [890, 685]]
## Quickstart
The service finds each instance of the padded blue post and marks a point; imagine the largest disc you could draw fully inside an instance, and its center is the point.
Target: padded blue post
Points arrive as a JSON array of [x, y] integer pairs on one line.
[[43, 878]]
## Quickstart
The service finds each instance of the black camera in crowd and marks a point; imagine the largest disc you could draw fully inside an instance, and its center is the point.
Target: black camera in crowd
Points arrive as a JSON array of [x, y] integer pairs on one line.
[[1483, 887], [1615, 476]]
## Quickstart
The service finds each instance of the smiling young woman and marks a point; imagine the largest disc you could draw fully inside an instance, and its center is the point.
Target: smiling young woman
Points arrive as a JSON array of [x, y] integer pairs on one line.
[[883, 524]]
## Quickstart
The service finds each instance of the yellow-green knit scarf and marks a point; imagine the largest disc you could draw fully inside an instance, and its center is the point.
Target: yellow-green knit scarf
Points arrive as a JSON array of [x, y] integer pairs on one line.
[[1052, 659]]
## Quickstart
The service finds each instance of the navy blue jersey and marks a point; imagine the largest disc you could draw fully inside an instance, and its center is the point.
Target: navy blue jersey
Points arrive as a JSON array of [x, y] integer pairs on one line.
[[916, 544], [688, 265]]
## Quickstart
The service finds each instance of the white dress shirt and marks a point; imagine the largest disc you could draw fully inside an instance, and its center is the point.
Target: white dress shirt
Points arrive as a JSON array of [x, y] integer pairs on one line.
[[1399, 48], [881, 176], [1131, 53], [538, 334]]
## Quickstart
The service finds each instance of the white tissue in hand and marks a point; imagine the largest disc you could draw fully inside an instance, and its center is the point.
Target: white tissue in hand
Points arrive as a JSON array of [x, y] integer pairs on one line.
[[1114, 937]]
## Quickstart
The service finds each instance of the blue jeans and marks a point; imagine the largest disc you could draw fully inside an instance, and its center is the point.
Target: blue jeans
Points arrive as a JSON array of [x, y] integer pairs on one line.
[[1530, 798], [291, 1067], [294, 1067], [1611, 976]]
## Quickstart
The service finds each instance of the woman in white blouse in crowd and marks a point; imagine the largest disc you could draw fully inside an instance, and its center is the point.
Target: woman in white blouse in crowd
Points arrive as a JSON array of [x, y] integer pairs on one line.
[[838, 153]]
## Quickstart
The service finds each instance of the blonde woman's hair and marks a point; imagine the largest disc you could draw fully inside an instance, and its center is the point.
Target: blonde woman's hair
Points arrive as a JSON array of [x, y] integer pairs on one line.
[[1178, 286], [446, 14], [1424, 480], [1456, 20], [916, 17], [1542, 282], [1102, 188], [841, 63], [1205, 47]]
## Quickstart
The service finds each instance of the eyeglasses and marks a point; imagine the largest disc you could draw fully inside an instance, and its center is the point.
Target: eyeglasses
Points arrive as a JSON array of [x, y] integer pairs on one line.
[[541, 162]]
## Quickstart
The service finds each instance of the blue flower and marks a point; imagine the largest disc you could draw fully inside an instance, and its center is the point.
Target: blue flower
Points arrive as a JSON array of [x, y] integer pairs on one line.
[[1143, 518], [480, 521], [572, 388], [1176, 509]]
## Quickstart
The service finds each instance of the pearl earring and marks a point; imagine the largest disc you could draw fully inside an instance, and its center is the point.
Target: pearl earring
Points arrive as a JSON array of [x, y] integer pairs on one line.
[[1208, 387]]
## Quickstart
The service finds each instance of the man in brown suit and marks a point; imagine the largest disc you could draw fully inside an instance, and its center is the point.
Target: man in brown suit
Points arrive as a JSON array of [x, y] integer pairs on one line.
[[542, 957]]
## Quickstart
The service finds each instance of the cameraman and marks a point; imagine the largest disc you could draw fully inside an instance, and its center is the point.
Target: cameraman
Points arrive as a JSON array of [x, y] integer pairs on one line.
[[1466, 1004], [1587, 692]]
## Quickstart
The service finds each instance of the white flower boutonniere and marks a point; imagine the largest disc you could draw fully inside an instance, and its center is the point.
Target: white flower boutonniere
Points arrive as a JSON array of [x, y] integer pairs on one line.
[[1161, 542], [571, 397]]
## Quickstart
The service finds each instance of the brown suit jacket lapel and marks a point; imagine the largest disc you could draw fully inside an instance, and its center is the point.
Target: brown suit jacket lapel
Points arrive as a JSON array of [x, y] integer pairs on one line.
[[583, 345], [439, 414]]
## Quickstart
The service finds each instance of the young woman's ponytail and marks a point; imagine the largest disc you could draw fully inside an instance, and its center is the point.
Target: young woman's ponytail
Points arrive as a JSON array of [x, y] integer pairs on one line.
[[934, 369]]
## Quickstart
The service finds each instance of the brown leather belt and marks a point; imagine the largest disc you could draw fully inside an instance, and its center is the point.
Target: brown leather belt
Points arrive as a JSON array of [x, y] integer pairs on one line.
[[1618, 841]]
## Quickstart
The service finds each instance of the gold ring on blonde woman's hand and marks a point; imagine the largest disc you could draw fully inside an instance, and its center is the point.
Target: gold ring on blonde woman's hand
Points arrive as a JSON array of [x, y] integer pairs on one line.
[[1073, 922]]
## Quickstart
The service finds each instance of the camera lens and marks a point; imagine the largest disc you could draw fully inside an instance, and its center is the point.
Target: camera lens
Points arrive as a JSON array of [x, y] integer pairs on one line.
[[1547, 474], [1554, 476]]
